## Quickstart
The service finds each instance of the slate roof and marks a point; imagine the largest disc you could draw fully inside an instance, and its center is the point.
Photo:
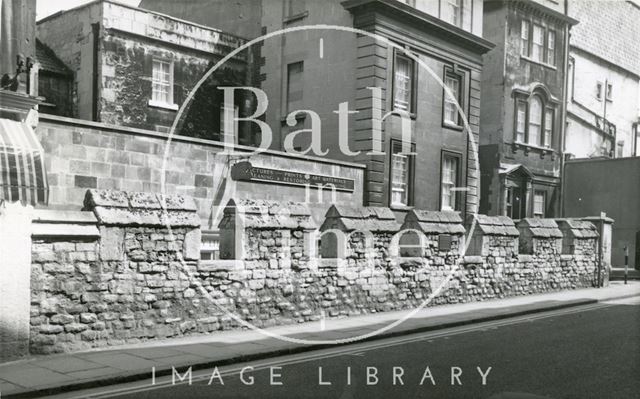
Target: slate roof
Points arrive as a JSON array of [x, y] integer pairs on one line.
[[576, 228], [434, 222], [372, 219], [541, 228], [497, 226], [49, 61]]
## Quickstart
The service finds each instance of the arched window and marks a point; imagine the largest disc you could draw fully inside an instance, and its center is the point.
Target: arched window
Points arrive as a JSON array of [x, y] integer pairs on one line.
[[535, 120]]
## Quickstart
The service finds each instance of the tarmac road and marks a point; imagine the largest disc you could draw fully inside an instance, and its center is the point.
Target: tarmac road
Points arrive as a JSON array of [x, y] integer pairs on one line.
[[591, 351]]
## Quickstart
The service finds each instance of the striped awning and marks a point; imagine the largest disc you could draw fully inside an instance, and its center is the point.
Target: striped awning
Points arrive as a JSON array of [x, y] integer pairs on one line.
[[22, 171]]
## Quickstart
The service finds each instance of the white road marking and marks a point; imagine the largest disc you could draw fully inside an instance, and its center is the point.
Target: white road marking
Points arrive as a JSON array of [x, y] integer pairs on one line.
[[205, 375], [321, 48]]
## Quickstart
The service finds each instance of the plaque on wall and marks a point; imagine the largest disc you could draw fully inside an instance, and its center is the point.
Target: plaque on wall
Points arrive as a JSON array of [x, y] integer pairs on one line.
[[245, 171]]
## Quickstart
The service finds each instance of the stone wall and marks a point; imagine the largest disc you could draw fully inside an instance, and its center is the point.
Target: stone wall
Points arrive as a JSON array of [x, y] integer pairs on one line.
[[127, 270], [85, 155]]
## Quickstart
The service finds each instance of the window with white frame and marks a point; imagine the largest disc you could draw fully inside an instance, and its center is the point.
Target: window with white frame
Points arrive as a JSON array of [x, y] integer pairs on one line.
[[548, 127], [521, 121], [403, 83], [535, 120], [401, 175], [453, 83], [449, 183], [539, 204], [599, 89], [537, 43], [609, 93], [162, 82], [210, 246], [455, 12], [551, 47], [295, 84], [524, 36]]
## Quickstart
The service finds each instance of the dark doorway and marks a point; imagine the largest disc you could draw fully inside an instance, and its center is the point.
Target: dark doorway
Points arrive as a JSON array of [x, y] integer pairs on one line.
[[515, 201]]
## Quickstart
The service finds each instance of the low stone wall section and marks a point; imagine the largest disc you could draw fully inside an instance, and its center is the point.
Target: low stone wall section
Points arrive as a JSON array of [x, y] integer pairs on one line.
[[129, 270]]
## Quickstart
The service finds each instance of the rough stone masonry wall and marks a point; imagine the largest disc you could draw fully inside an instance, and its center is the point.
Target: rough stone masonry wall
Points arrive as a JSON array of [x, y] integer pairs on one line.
[[86, 294]]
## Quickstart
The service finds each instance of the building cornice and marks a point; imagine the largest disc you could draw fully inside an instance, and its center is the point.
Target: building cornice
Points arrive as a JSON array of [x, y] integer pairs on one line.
[[537, 9], [577, 49], [431, 24]]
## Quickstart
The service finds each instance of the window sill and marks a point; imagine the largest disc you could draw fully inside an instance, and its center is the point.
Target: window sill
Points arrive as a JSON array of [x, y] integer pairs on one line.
[[159, 104], [452, 126], [296, 17], [412, 115], [528, 147], [400, 207], [544, 64]]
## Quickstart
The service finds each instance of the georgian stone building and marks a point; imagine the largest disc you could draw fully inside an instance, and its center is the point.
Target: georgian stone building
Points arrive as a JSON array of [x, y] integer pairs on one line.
[[523, 108], [132, 67], [604, 80], [319, 69]]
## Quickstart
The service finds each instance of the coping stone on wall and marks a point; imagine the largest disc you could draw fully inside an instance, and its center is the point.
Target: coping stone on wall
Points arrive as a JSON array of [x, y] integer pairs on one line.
[[122, 208], [372, 219], [575, 228], [434, 222], [64, 223], [497, 226], [540, 228], [267, 214]]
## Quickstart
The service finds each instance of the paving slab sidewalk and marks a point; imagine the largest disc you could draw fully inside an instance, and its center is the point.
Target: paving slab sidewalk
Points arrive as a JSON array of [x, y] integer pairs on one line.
[[44, 375]]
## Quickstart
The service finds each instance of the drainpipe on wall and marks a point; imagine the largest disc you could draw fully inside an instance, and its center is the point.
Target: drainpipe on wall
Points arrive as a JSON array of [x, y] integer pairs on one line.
[[563, 125], [95, 33]]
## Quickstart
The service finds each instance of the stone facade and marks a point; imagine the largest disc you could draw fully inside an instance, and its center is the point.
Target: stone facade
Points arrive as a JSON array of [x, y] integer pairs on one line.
[[126, 269], [112, 52], [517, 162], [603, 124], [349, 64], [83, 155]]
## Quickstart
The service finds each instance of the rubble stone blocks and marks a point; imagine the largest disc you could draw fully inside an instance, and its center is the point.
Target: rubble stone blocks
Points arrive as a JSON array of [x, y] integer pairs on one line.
[[153, 286], [443, 231], [539, 235], [491, 232], [348, 231], [123, 281], [270, 231]]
